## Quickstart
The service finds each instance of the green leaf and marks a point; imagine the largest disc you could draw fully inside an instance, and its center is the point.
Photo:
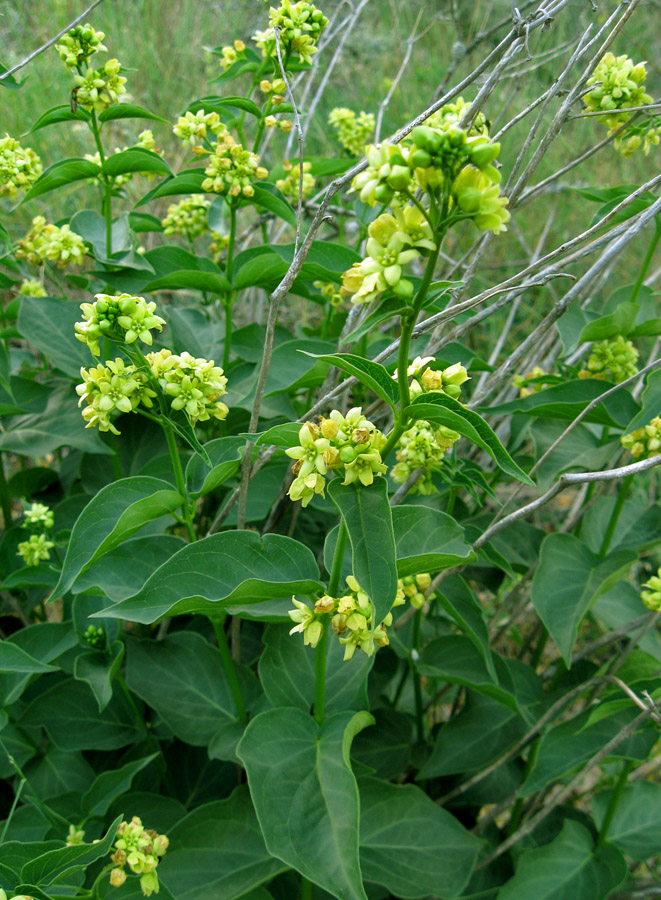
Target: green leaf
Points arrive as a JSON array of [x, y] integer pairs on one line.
[[566, 869], [98, 669], [268, 196], [218, 851], [187, 182], [428, 540], [457, 600], [410, 845], [222, 570], [66, 171], [285, 435], [48, 324], [388, 309], [242, 103], [135, 160], [443, 410], [258, 266], [286, 673], [636, 825], [91, 226], [112, 516], [110, 785], [372, 375], [127, 111], [15, 659], [305, 794], [386, 747], [568, 580], [58, 114], [225, 455], [54, 864], [44, 642], [325, 260], [619, 322], [651, 400], [190, 279], [367, 516], [646, 329], [183, 678]]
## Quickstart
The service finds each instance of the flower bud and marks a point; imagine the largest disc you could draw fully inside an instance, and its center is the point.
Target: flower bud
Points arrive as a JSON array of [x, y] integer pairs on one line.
[[329, 428]]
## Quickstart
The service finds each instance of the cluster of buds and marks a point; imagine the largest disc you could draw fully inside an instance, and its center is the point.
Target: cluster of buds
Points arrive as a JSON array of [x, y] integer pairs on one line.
[[124, 319], [353, 130], [289, 185], [329, 290], [218, 244], [645, 135], [95, 637], [425, 379], [232, 169], [413, 587], [618, 83], [195, 385], [46, 241], [348, 444], [644, 441], [394, 241], [299, 28], [285, 125], [37, 515], [140, 849], [452, 114], [31, 287], [480, 199], [78, 44], [614, 359], [99, 88], [19, 167], [188, 217], [652, 597], [115, 387], [386, 175], [275, 90], [232, 53], [193, 128], [526, 384], [38, 546], [145, 142], [422, 447], [75, 836]]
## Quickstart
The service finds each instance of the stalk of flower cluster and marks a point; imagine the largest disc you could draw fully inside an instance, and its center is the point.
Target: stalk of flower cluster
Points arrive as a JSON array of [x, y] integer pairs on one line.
[[321, 650], [229, 297], [107, 181]]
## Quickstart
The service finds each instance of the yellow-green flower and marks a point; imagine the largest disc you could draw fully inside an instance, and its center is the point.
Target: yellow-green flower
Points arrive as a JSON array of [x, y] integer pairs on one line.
[[188, 217], [141, 849], [35, 549], [475, 194], [99, 88], [78, 44], [353, 129], [645, 440], [19, 167], [124, 318], [232, 169]]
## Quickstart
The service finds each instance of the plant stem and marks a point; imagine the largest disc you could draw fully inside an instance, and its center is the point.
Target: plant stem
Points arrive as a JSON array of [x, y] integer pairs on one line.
[[229, 298], [615, 515], [539, 649], [179, 477], [10, 816], [230, 669], [107, 182], [306, 889], [321, 650], [227, 345], [646, 262], [5, 500], [417, 681], [627, 767], [338, 557]]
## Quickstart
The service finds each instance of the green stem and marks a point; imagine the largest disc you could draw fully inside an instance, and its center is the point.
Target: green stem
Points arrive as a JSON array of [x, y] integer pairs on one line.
[[517, 809], [306, 889], [647, 261], [627, 767], [229, 298], [615, 515], [5, 500], [17, 797], [539, 649], [338, 557], [227, 345], [179, 477], [417, 680], [321, 650], [107, 181], [230, 669]]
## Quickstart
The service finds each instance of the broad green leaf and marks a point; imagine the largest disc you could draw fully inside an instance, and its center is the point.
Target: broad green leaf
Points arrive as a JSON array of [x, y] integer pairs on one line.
[[373, 375], [456, 659], [651, 400], [650, 327], [14, 659], [386, 747], [325, 260], [112, 516], [242, 103], [305, 794], [620, 321], [111, 784], [54, 864], [568, 400], [190, 279], [225, 455], [127, 111], [427, 540], [98, 669], [70, 715], [48, 324], [15, 854], [566, 869], [186, 182], [622, 605], [576, 740], [227, 569], [66, 171], [443, 410], [636, 825], [191, 330], [183, 678], [457, 600], [410, 845], [58, 114], [286, 673], [58, 772], [367, 516], [125, 569], [91, 226], [568, 580], [218, 851], [268, 196], [44, 642], [285, 435], [136, 159], [258, 266]]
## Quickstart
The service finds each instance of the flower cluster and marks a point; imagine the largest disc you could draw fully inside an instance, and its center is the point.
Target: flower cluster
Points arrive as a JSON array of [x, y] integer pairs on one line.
[[30, 287], [275, 90], [78, 44], [124, 319], [289, 184], [194, 384], [422, 446], [57, 243], [38, 515], [141, 849], [299, 28], [232, 169], [38, 546], [99, 88], [524, 383], [330, 290], [414, 586], [188, 217], [193, 128], [614, 359], [353, 129], [425, 379], [19, 167], [348, 444], [232, 54], [645, 440], [219, 243], [75, 836], [115, 387], [95, 637], [652, 597]]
